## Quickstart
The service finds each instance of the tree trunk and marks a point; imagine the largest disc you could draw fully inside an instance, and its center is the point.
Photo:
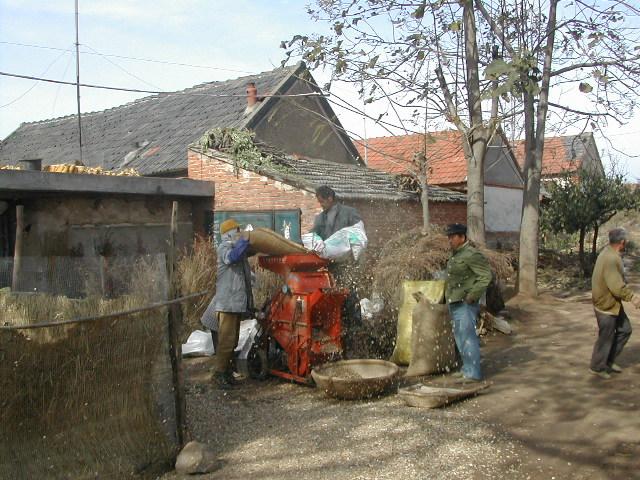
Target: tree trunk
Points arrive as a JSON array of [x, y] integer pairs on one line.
[[528, 264], [424, 200], [475, 187], [583, 263], [478, 136], [594, 245]]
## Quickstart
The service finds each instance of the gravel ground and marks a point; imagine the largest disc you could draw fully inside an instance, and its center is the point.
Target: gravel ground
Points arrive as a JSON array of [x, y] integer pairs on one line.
[[274, 429]]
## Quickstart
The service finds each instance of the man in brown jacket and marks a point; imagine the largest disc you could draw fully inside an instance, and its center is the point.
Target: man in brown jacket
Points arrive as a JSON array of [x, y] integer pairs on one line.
[[608, 289]]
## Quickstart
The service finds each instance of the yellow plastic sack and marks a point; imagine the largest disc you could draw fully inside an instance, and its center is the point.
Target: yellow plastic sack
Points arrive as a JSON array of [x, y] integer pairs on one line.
[[433, 290]]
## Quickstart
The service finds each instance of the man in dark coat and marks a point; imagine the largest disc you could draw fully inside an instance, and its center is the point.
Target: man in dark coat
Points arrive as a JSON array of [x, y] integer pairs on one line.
[[336, 216]]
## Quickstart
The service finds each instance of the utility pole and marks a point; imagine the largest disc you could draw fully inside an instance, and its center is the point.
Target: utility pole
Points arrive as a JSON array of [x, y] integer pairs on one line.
[[78, 85]]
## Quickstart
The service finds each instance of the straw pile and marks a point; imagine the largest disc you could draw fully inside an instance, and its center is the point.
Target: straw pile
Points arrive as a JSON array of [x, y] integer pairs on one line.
[[413, 256], [196, 272]]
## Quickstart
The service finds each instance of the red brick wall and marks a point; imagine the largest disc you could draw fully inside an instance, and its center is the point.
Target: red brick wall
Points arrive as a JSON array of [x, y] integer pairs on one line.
[[383, 219], [250, 191]]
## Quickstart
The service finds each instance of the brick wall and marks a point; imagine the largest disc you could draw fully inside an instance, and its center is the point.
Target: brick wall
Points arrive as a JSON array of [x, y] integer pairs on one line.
[[250, 191], [383, 219]]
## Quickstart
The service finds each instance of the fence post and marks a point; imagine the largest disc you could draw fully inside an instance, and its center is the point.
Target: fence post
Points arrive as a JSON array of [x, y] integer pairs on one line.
[[17, 252], [175, 319]]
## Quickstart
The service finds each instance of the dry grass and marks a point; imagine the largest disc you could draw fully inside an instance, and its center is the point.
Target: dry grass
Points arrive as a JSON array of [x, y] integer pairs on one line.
[[413, 256], [196, 271], [93, 402], [266, 285]]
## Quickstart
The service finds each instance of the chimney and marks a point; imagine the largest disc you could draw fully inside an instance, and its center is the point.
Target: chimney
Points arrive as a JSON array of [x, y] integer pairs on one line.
[[252, 94], [31, 164]]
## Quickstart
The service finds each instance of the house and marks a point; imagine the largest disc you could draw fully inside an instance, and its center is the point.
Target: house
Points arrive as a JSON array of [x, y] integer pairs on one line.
[[565, 154], [385, 207], [158, 136], [84, 216], [151, 135], [448, 169]]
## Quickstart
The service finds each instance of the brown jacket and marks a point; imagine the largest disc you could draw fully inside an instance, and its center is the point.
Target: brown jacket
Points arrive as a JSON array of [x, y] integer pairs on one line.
[[608, 286]]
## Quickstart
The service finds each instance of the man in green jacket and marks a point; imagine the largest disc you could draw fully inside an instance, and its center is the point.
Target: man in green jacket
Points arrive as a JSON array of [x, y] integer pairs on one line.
[[468, 276], [608, 290]]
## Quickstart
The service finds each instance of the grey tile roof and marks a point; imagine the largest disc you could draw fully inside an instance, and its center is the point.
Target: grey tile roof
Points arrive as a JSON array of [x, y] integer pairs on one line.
[[150, 135], [350, 182]]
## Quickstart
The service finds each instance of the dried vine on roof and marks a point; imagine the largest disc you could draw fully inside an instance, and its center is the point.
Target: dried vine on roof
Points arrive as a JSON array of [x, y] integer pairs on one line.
[[240, 145]]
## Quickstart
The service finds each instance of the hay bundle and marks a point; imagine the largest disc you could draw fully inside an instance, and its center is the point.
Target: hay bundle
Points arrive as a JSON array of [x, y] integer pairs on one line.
[[414, 256], [196, 272]]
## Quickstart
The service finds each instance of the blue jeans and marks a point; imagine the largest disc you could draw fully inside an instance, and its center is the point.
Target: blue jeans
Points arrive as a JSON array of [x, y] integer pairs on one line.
[[464, 318]]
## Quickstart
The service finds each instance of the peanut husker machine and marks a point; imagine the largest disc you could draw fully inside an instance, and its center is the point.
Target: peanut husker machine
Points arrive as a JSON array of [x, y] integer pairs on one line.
[[301, 325]]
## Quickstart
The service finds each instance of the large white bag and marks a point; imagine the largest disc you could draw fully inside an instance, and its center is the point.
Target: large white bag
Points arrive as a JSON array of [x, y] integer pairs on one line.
[[346, 243], [198, 343]]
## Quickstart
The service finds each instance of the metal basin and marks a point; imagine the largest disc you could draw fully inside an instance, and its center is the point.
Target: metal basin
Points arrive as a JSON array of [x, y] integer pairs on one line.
[[354, 379]]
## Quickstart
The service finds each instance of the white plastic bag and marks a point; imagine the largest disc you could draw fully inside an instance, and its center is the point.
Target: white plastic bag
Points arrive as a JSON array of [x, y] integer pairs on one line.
[[248, 331], [199, 343], [346, 243], [371, 307], [313, 241]]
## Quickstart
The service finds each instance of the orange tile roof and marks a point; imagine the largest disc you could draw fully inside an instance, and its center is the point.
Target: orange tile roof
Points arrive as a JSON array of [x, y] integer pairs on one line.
[[445, 156], [561, 154]]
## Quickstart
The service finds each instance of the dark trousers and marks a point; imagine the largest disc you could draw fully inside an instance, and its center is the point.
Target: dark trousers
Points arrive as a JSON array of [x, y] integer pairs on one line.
[[613, 333]]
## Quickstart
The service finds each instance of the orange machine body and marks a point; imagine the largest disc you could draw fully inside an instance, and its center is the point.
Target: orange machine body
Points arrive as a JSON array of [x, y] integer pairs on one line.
[[304, 318]]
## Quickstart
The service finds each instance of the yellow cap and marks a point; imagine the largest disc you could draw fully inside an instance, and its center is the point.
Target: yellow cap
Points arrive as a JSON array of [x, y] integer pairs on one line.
[[227, 225]]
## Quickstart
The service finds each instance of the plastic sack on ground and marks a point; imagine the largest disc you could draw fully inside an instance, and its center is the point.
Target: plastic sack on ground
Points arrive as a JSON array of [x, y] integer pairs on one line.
[[369, 308], [199, 343], [433, 347], [248, 331], [433, 290]]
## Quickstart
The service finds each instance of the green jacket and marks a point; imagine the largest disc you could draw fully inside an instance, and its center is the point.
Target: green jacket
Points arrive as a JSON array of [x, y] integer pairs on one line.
[[608, 286], [468, 275]]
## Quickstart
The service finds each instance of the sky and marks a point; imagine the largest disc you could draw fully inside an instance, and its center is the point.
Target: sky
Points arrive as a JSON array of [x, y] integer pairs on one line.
[[212, 39]]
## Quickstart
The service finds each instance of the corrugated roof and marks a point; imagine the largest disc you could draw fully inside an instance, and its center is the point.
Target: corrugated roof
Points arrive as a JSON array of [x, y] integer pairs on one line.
[[447, 165], [351, 182], [150, 134], [561, 154]]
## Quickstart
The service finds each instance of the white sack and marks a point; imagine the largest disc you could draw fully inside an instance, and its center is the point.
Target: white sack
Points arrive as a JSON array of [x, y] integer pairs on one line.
[[199, 343]]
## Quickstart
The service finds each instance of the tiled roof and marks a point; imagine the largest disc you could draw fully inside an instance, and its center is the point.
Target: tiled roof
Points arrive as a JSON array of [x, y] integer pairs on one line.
[[561, 154], [349, 181], [150, 135], [447, 164]]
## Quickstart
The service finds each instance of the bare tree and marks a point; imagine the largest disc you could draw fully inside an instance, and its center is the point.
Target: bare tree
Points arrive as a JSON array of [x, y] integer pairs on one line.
[[588, 48], [424, 60]]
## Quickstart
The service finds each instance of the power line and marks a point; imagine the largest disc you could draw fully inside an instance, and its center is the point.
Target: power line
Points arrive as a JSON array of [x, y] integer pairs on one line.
[[122, 68], [157, 92], [163, 62], [36, 82]]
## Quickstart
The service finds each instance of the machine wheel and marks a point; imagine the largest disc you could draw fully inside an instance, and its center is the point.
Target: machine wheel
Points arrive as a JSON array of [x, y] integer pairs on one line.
[[258, 363]]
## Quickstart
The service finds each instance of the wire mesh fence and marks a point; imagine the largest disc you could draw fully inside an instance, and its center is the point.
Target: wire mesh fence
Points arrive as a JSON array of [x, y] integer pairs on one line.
[[94, 398]]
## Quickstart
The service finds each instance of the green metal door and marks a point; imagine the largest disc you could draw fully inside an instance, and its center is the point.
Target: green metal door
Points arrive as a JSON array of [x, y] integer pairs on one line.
[[284, 222]]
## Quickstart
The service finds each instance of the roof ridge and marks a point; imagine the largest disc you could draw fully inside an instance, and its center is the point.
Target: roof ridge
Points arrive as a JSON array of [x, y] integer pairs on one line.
[[448, 130], [139, 101]]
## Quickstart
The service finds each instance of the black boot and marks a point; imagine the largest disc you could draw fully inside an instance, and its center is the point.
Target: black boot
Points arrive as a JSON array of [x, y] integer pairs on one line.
[[222, 380]]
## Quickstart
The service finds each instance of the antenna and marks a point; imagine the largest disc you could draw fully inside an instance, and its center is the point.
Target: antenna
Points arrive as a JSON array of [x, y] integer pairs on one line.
[[78, 84]]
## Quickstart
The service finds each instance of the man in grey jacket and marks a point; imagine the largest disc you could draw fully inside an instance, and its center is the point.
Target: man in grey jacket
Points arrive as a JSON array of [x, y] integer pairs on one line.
[[233, 298], [334, 217]]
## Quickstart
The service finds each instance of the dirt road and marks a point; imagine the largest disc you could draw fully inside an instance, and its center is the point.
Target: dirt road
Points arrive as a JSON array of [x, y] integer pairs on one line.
[[544, 417]]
